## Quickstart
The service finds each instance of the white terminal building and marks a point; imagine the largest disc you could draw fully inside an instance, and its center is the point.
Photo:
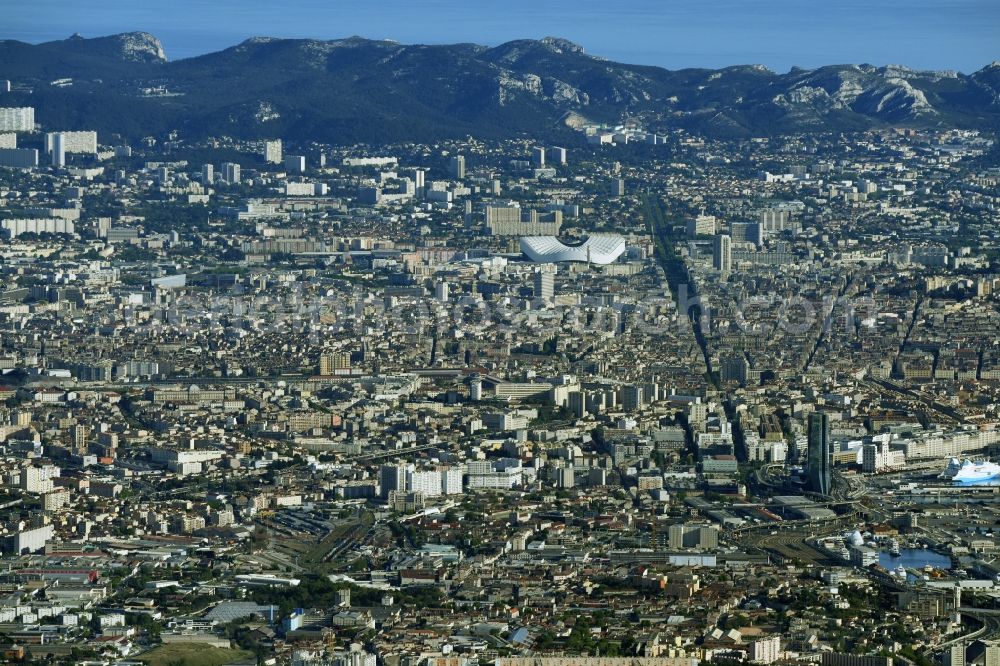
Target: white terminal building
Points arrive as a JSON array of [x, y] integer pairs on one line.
[[598, 249]]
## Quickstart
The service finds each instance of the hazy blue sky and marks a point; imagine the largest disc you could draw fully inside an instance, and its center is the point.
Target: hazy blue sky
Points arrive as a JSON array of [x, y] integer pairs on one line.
[[941, 34]]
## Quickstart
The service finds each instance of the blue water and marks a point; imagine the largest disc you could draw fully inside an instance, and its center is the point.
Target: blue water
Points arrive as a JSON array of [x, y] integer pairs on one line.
[[928, 34], [915, 558]]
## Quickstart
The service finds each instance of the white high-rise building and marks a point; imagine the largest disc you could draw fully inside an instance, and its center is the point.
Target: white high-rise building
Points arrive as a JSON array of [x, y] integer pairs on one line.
[[722, 254], [17, 119], [73, 142], [878, 457], [441, 292], [58, 151], [458, 167], [991, 654], [8, 140], [272, 151], [231, 172], [427, 482], [954, 655], [775, 219], [702, 225], [545, 285], [392, 478], [451, 480], [54, 225], [38, 479], [538, 156], [207, 174], [418, 181], [566, 477], [765, 650]]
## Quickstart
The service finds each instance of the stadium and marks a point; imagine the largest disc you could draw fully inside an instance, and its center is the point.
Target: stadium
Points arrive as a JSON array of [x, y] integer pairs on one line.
[[595, 249]]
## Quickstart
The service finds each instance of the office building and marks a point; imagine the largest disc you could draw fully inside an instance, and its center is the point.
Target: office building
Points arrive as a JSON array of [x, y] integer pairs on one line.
[[295, 163], [231, 172], [545, 285], [458, 167], [17, 119], [58, 151], [722, 254], [272, 151], [819, 454]]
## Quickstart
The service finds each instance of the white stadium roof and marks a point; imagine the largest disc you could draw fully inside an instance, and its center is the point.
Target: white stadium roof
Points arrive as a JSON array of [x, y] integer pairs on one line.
[[596, 249]]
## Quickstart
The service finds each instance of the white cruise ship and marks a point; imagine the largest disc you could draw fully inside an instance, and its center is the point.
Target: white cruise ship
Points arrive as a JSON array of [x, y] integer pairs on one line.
[[971, 472]]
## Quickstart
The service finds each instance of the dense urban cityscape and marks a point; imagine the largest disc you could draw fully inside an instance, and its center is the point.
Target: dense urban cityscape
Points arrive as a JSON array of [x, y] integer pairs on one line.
[[644, 397]]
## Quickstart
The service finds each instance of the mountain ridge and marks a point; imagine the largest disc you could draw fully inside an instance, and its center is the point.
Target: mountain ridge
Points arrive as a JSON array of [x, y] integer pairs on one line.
[[357, 89]]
